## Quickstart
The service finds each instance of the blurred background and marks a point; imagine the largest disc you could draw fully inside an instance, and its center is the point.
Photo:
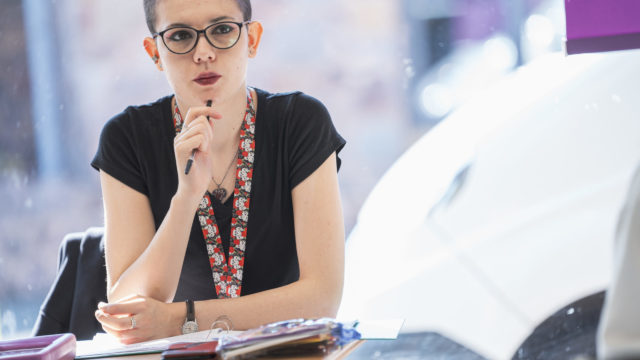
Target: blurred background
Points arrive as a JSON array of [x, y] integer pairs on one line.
[[388, 71]]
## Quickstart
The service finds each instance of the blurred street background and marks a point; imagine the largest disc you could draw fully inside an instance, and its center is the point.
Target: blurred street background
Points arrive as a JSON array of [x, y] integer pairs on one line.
[[387, 70]]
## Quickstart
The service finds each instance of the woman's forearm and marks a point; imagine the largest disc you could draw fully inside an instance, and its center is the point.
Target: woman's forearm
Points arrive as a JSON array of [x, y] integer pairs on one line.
[[156, 272], [302, 299]]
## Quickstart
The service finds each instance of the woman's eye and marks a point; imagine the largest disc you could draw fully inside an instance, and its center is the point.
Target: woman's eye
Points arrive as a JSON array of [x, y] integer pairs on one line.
[[222, 29], [180, 35]]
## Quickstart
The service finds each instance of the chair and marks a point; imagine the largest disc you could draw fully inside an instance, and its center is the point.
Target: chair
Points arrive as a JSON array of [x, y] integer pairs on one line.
[[567, 334], [80, 284]]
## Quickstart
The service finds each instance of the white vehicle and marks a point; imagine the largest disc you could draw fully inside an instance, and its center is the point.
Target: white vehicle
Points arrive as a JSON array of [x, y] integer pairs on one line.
[[506, 211]]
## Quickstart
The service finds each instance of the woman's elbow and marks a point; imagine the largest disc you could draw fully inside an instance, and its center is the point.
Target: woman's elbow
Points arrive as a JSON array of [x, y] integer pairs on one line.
[[327, 301]]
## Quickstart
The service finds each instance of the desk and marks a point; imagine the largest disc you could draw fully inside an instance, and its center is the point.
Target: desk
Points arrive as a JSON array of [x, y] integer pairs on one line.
[[335, 355]]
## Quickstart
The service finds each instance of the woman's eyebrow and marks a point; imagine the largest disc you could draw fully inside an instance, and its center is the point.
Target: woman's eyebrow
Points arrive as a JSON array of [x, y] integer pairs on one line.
[[220, 18], [213, 21]]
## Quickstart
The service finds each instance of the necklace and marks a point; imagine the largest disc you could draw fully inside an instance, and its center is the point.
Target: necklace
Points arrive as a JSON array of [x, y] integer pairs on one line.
[[220, 193]]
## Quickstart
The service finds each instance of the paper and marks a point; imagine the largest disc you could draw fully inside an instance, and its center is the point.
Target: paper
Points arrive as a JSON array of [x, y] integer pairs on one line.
[[104, 345], [379, 329]]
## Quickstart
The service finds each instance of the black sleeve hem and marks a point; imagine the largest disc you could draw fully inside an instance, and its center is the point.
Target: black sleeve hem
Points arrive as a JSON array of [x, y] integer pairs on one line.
[[120, 176], [309, 168]]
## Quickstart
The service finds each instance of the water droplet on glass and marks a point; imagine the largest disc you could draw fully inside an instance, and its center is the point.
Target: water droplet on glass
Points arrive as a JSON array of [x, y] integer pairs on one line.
[[28, 203], [437, 100], [29, 287], [539, 30], [571, 311], [616, 98], [410, 72], [61, 107], [9, 323]]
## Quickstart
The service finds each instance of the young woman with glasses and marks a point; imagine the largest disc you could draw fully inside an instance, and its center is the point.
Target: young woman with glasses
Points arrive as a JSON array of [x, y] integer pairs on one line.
[[231, 209]]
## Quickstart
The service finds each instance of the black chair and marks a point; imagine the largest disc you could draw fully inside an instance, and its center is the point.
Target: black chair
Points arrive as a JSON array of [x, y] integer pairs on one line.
[[79, 286], [570, 333]]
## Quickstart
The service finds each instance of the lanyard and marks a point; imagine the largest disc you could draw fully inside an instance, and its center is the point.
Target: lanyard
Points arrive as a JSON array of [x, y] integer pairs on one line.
[[227, 274]]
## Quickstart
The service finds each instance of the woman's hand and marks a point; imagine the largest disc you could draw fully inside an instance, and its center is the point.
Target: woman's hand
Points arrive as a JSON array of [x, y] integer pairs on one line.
[[197, 133], [152, 319]]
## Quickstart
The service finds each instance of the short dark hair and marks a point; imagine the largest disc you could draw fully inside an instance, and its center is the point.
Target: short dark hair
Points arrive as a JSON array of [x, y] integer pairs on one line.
[[150, 12]]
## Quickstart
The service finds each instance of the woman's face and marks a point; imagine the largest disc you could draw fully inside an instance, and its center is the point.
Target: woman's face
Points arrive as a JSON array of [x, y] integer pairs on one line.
[[205, 72]]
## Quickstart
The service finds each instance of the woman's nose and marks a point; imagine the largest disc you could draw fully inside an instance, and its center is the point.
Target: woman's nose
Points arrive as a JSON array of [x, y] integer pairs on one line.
[[203, 51]]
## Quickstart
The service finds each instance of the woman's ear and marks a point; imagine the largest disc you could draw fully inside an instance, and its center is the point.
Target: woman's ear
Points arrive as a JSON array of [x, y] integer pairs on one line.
[[255, 34], [152, 50]]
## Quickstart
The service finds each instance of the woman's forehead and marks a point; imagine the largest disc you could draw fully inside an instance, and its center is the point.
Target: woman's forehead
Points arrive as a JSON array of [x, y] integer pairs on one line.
[[196, 12]]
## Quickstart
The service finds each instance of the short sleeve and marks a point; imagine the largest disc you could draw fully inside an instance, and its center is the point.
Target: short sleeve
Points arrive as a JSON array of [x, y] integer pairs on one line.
[[117, 153], [312, 138]]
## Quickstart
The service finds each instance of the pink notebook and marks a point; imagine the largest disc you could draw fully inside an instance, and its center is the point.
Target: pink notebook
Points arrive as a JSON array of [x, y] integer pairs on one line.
[[50, 347]]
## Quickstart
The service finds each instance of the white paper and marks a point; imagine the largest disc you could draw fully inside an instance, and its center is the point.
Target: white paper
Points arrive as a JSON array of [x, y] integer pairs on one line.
[[106, 345], [382, 329]]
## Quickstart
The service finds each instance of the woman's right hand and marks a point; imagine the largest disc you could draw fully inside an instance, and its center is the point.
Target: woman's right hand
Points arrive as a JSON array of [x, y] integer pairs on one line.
[[197, 133]]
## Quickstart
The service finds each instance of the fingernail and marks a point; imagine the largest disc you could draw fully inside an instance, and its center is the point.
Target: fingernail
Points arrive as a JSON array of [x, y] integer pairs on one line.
[[101, 305]]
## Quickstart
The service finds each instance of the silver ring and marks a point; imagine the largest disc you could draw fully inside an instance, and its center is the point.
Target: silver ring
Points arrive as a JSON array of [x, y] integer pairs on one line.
[[133, 322]]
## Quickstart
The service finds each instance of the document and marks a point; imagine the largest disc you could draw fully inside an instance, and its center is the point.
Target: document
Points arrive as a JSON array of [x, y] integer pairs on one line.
[[104, 345]]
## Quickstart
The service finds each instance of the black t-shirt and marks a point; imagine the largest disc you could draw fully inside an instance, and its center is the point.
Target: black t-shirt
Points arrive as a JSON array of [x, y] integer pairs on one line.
[[294, 136]]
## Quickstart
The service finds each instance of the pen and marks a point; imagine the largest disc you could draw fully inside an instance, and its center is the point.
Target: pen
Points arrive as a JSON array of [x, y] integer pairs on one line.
[[193, 152]]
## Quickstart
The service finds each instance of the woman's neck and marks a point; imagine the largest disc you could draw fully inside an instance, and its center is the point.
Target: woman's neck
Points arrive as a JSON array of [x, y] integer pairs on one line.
[[226, 131]]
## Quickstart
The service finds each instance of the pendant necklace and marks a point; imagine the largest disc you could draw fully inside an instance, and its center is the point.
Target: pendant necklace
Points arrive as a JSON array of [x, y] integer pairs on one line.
[[220, 193]]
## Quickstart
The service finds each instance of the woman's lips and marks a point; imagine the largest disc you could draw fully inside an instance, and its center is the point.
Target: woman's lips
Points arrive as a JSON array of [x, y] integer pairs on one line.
[[207, 78]]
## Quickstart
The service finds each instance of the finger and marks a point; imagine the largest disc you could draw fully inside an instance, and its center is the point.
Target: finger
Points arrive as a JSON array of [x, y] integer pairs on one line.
[[111, 331], [200, 120], [204, 111], [119, 323], [185, 147], [199, 129], [124, 308], [123, 336]]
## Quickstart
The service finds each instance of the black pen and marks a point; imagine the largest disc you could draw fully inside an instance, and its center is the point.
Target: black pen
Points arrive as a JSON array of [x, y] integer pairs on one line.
[[193, 153]]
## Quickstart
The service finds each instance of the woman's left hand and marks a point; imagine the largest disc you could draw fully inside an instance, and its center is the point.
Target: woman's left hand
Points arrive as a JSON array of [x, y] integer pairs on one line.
[[136, 319]]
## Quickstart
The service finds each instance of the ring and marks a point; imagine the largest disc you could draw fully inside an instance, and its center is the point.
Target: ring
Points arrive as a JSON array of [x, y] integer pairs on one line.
[[133, 322]]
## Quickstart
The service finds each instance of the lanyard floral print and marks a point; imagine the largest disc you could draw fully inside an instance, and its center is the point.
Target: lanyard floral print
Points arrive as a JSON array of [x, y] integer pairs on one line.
[[227, 276]]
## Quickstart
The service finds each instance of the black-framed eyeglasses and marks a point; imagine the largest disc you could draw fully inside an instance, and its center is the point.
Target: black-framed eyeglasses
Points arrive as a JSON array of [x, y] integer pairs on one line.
[[182, 39]]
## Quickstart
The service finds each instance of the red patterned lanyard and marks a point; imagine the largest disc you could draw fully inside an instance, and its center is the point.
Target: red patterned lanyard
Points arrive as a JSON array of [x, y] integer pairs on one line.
[[227, 276]]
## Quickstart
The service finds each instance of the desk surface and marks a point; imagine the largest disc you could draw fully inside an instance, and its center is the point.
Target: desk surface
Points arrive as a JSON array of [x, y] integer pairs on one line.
[[341, 353]]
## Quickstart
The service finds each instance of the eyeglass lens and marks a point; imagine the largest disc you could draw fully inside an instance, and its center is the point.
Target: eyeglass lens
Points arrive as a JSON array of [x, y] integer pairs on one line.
[[183, 39]]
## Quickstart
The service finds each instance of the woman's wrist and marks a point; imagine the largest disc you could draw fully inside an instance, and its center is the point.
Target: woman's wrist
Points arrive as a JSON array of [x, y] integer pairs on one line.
[[176, 315], [185, 198]]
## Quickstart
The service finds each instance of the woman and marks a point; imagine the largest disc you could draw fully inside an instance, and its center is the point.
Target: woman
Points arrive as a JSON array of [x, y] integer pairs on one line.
[[266, 242]]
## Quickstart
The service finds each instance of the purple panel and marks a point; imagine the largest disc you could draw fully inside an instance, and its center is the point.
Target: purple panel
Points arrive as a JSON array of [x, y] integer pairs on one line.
[[598, 18], [606, 43], [602, 25]]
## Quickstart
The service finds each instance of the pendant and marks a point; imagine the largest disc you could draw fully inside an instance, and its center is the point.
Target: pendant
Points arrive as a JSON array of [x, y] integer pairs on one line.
[[219, 193]]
